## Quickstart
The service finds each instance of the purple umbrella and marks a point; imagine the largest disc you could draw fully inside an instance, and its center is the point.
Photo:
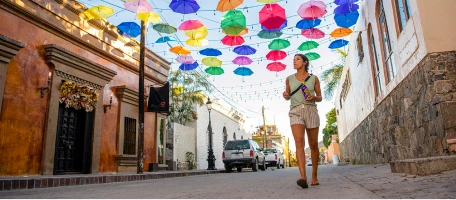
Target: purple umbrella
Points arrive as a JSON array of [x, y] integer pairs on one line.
[[139, 6], [184, 6], [242, 60], [346, 8], [244, 50], [342, 2], [185, 59]]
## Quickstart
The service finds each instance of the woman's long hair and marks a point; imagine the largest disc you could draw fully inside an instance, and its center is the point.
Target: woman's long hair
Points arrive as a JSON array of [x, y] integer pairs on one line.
[[304, 58]]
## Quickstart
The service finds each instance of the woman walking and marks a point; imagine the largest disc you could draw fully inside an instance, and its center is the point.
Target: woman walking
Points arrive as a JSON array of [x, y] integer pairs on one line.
[[303, 89]]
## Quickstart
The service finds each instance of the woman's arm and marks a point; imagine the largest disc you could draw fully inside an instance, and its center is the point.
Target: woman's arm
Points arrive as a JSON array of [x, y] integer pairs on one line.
[[286, 94], [317, 98]]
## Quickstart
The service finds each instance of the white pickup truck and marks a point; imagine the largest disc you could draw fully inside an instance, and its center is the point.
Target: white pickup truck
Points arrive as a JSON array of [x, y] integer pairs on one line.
[[274, 157]]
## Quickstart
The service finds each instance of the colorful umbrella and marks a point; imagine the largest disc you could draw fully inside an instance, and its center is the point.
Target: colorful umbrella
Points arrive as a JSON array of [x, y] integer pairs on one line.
[[341, 32], [338, 44], [179, 50], [244, 50], [185, 59], [186, 67], [190, 25], [342, 2], [245, 31], [309, 45], [212, 61], [308, 23], [277, 29], [196, 42], [279, 44], [267, 1], [346, 8], [313, 33], [99, 12], [233, 40], [233, 22], [165, 39], [184, 6], [242, 60], [129, 28], [346, 20], [197, 34], [312, 9], [269, 34], [225, 5], [164, 28], [312, 56], [138, 6], [276, 66], [214, 70], [243, 71], [210, 52], [276, 55], [150, 17], [272, 16]]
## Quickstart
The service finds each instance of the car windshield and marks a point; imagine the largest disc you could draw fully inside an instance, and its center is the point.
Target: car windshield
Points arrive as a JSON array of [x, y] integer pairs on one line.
[[235, 145], [270, 151]]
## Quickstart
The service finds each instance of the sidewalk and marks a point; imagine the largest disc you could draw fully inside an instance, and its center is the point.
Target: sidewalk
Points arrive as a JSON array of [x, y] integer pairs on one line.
[[38, 181]]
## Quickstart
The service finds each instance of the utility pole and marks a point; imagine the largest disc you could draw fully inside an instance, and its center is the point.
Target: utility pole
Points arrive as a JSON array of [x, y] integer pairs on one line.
[[142, 50], [264, 128]]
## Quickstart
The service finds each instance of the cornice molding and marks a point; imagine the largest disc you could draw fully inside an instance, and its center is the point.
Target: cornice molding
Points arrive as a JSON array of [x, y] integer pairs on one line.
[[78, 80], [9, 48], [128, 95]]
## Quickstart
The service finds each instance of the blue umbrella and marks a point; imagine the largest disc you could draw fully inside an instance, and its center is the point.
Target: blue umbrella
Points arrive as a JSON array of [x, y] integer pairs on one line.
[[342, 2], [346, 8], [243, 71], [184, 6], [338, 44], [277, 29], [346, 20], [129, 28], [186, 67], [210, 52], [308, 23], [244, 50], [165, 39]]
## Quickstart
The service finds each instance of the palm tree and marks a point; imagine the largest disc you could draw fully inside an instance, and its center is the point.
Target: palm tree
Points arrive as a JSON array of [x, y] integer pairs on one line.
[[332, 76]]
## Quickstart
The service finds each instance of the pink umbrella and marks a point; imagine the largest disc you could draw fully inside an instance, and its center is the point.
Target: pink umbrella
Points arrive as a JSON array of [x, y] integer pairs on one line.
[[190, 25], [276, 66], [312, 9], [242, 60], [185, 59], [313, 33], [272, 16], [276, 55], [233, 40], [138, 6]]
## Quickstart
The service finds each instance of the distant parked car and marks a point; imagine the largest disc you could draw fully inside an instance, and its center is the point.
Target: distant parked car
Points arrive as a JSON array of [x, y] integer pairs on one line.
[[241, 154], [274, 157], [309, 161]]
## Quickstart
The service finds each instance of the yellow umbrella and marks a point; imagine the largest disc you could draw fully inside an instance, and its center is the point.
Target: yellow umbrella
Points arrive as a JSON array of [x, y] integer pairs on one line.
[[197, 34], [341, 32], [212, 61], [225, 5], [180, 50], [150, 17], [99, 12], [197, 43], [267, 1], [245, 31]]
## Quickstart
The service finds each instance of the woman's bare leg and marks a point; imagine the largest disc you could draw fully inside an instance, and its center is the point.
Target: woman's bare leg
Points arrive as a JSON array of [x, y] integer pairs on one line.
[[298, 134], [312, 136]]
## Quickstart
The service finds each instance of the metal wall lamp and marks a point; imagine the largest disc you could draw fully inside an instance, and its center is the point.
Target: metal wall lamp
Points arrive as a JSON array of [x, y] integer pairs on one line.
[[44, 89], [108, 106]]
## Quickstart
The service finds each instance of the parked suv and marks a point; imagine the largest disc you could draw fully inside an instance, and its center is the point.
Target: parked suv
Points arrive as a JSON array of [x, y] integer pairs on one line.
[[243, 154], [274, 157]]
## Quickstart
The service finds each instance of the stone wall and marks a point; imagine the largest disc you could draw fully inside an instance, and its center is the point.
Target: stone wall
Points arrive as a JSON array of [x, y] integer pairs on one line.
[[414, 121]]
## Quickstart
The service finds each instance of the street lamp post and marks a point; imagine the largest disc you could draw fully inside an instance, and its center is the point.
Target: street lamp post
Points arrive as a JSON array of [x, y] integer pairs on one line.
[[210, 152]]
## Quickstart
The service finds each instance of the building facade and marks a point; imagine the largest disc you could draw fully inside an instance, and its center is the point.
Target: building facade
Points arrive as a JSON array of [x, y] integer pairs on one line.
[[397, 97], [47, 44]]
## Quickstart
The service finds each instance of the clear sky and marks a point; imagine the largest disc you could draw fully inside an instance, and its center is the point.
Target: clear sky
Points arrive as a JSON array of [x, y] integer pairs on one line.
[[263, 88]]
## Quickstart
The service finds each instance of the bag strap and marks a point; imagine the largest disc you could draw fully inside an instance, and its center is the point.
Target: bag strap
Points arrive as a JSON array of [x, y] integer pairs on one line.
[[294, 92]]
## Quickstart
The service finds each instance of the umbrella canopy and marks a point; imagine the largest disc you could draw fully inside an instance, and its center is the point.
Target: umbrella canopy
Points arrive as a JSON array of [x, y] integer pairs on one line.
[[165, 39], [279, 44], [244, 50], [276, 66], [212, 61], [150, 17], [210, 52], [190, 25], [267, 1], [233, 40], [269, 34], [346, 20], [185, 59], [233, 22], [312, 9], [342, 2], [341, 32], [276, 55], [138, 6], [214, 70], [179, 50], [197, 43], [312, 56], [346, 8], [245, 31], [272, 16], [197, 34], [99, 12], [130, 28], [164, 28], [184, 6], [186, 67], [243, 71], [277, 29], [338, 43], [242, 60], [225, 5], [308, 23], [313, 33], [309, 45]]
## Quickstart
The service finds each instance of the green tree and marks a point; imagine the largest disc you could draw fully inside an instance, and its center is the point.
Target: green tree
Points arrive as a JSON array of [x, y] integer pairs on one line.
[[332, 76], [330, 128]]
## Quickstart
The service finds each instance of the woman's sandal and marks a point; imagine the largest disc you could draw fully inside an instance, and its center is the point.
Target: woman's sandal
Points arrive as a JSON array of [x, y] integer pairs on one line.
[[313, 183], [302, 182]]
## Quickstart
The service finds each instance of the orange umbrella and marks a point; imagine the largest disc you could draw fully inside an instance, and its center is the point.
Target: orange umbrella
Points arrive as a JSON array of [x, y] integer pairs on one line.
[[180, 50], [245, 31], [225, 5], [341, 32]]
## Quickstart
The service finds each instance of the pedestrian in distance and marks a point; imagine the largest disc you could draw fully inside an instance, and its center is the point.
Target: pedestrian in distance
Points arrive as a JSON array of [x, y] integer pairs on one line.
[[303, 90]]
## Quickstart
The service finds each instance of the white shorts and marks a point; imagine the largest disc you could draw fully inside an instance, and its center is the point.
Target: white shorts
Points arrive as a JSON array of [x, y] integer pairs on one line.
[[306, 115]]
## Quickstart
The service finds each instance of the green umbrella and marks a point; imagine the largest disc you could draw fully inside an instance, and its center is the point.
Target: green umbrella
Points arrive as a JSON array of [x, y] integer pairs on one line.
[[165, 28], [306, 46], [269, 34], [214, 70], [312, 56], [233, 22], [279, 44]]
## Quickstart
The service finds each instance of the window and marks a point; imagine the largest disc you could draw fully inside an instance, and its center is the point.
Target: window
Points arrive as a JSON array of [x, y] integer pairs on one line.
[[386, 43], [242, 137], [374, 62], [161, 139], [359, 42], [129, 136], [234, 135], [225, 136], [346, 86], [403, 12]]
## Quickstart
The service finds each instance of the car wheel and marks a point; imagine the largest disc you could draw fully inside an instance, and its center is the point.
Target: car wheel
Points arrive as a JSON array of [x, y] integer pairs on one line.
[[283, 166], [228, 168], [263, 167], [239, 169], [255, 166], [278, 165]]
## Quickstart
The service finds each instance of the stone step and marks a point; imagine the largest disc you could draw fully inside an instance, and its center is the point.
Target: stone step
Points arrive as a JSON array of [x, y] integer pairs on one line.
[[424, 166]]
